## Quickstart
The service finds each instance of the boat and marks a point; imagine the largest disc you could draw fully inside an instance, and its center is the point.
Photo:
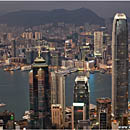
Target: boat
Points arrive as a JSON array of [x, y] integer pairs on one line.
[[102, 71], [73, 70], [26, 68], [2, 104], [15, 68]]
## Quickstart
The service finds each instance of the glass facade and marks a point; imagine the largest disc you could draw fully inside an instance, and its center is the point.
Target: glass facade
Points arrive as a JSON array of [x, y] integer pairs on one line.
[[39, 95], [81, 94], [119, 66]]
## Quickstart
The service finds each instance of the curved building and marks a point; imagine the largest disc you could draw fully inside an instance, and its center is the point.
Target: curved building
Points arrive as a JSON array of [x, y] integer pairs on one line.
[[119, 66]]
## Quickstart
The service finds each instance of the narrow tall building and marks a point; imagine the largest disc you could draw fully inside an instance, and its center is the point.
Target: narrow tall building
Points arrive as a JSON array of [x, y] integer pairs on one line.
[[98, 42], [81, 92], [119, 66], [13, 48], [39, 94]]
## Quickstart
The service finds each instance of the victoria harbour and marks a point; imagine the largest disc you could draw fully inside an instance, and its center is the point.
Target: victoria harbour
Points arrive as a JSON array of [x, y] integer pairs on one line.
[[14, 90], [64, 65]]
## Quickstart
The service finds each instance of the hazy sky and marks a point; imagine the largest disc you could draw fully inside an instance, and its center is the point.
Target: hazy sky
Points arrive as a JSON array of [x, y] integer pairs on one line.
[[103, 9]]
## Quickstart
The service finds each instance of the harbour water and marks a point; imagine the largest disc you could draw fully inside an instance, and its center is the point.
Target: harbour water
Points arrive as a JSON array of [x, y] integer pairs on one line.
[[14, 90]]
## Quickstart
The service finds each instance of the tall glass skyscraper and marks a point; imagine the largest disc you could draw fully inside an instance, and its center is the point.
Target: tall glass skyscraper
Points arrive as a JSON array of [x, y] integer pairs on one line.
[[119, 66], [39, 94]]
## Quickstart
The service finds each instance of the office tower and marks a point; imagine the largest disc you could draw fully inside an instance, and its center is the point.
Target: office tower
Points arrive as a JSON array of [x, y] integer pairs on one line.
[[84, 50], [54, 88], [46, 56], [13, 48], [119, 66], [104, 113], [81, 92], [98, 43], [78, 114], [57, 115], [55, 58], [58, 84], [39, 94], [29, 56], [67, 49]]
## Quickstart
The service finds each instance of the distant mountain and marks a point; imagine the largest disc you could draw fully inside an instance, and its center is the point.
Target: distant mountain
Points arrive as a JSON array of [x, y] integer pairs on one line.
[[36, 17]]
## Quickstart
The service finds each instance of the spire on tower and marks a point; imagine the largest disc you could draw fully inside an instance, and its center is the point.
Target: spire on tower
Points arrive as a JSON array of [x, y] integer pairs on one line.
[[39, 52]]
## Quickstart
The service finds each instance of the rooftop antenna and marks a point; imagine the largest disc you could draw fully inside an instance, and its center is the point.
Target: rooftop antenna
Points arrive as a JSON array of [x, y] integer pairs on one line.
[[39, 52]]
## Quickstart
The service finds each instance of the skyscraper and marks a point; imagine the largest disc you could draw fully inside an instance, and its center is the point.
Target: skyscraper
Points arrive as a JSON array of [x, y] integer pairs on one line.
[[13, 48], [98, 42], [104, 112], [81, 92], [119, 66], [39, 94]]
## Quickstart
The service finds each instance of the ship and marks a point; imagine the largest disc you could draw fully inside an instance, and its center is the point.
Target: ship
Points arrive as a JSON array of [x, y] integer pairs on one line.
[[26, 68], [2, 104], [15, 68]]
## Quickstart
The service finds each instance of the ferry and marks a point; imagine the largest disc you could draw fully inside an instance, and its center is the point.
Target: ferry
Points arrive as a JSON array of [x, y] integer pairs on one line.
[[26, 68], [73, 70], [15, 68], [2, 104]]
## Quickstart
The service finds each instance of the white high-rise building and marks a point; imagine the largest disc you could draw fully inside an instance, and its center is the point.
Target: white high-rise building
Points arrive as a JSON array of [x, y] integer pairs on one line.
[[98, 42]]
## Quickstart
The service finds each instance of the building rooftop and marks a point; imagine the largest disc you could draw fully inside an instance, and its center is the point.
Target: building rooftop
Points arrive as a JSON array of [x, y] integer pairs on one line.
[[78, 104], [120, 16], [104, 100], [81, 78], [39, 61]]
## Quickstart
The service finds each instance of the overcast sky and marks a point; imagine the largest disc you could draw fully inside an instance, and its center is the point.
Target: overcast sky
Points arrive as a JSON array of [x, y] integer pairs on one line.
[[103, 9]]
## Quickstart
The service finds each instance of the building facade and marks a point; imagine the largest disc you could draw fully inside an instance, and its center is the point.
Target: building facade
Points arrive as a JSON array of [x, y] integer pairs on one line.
[[39, 94], [57, 115], [119, 66], [81, 92], [104, 113], [98, 42]]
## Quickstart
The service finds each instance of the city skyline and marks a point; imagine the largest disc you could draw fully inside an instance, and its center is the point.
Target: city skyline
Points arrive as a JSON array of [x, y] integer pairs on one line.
[[64, 69]]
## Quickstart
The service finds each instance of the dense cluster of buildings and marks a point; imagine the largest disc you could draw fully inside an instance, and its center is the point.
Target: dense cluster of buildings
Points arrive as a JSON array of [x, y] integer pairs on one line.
[[59, 51]]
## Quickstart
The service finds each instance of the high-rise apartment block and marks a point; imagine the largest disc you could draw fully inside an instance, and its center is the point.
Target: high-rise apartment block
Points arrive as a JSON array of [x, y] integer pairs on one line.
[[27, 35], [38, 35], [98, 43]]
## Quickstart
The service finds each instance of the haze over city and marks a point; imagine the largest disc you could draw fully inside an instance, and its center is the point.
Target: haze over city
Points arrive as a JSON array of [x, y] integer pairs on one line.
[[103, 9], [64, 65]]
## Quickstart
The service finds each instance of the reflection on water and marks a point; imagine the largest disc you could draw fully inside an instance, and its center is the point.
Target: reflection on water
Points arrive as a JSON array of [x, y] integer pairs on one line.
[[14, 90]]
